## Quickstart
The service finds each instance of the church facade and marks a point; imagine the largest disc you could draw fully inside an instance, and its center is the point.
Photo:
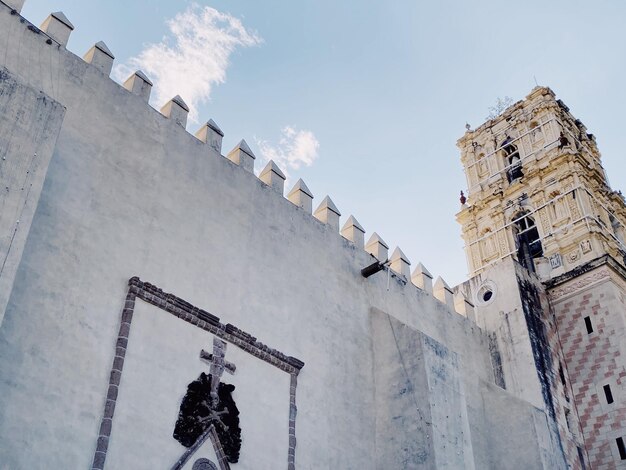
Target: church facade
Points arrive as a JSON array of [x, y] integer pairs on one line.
[[162, 306]]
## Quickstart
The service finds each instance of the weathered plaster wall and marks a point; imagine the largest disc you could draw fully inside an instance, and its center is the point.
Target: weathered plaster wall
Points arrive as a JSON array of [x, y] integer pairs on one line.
[[130, 192], [503, 314], [421, 400], [550, 364], [426, 417], [528, 347], [29, 125]]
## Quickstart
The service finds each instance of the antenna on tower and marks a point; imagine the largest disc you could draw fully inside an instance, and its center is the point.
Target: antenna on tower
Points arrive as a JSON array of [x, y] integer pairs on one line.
[[535, 78]]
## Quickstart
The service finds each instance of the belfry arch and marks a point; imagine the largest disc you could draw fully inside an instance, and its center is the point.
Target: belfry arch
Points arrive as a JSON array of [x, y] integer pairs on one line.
[[512, 160], [527, 239]]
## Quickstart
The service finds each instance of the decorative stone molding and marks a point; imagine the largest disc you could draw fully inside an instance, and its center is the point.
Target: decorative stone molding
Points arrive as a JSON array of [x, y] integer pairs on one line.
[[205, 321], [580, 283], [585, 246], [555, 260]]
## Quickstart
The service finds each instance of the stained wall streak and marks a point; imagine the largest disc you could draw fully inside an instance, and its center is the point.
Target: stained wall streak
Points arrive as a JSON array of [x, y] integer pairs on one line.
[[30, 122]]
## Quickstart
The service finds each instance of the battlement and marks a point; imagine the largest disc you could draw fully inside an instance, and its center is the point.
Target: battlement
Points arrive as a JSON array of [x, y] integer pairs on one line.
[[51, 39]]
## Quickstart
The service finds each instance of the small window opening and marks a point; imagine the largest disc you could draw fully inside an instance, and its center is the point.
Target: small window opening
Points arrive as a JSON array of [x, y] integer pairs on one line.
[[562, 375], [608, 394], [588, 325], [617, 228], [486, 293], [568, 419], [512, 160], [528, 241], [621, 448], [581, 457]]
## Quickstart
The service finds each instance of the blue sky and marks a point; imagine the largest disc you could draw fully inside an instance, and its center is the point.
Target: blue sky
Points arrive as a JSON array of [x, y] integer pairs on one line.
[[375, 94]]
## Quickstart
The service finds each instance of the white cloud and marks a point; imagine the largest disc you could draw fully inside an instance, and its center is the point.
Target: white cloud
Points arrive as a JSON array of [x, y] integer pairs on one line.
[[193, 57], [295, 148]]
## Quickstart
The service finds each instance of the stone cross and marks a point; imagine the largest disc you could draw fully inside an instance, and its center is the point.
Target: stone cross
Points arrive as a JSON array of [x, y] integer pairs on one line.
[[218, 365]]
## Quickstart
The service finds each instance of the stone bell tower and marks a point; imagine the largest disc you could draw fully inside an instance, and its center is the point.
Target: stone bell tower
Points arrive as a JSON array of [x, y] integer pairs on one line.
[[544, 240], [538, 192]]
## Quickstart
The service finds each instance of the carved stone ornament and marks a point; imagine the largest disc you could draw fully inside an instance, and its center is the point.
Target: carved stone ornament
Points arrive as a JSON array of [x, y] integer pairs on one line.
[[585, 246], [580, 283], [573, 256], [555, 260]]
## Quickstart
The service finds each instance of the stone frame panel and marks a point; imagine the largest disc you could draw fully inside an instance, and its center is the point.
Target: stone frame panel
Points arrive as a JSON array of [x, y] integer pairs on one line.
[[202, 319]]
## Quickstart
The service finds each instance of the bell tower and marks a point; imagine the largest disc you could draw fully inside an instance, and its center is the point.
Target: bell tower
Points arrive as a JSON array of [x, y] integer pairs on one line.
[[537, 191], [544, 241]]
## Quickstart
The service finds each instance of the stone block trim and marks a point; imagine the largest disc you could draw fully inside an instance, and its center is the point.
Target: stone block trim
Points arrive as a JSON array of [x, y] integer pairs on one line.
[[114, 382], [208, 322], [293, 411]]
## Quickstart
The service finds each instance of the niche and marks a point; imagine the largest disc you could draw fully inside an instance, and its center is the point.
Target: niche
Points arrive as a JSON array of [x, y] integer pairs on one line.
[[512, 160], [527, 240]]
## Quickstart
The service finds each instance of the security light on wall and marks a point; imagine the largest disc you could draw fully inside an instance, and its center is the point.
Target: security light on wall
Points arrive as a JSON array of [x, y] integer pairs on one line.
[[373, 268]]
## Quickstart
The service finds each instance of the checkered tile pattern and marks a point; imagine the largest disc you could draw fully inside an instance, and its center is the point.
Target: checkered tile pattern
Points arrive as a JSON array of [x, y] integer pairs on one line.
[[568, 427], [592, 360]]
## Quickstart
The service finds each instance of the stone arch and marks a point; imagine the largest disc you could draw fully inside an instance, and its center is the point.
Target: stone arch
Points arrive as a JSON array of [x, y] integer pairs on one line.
[[527, 239], [203, 464], [512, 160]]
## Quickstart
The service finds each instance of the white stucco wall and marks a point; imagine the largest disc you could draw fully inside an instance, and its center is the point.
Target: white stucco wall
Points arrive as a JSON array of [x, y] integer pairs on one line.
[[129, 192], [503, 314]]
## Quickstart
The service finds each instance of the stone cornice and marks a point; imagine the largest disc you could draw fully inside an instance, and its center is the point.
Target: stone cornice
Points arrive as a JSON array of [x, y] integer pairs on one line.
[[587, 275]]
